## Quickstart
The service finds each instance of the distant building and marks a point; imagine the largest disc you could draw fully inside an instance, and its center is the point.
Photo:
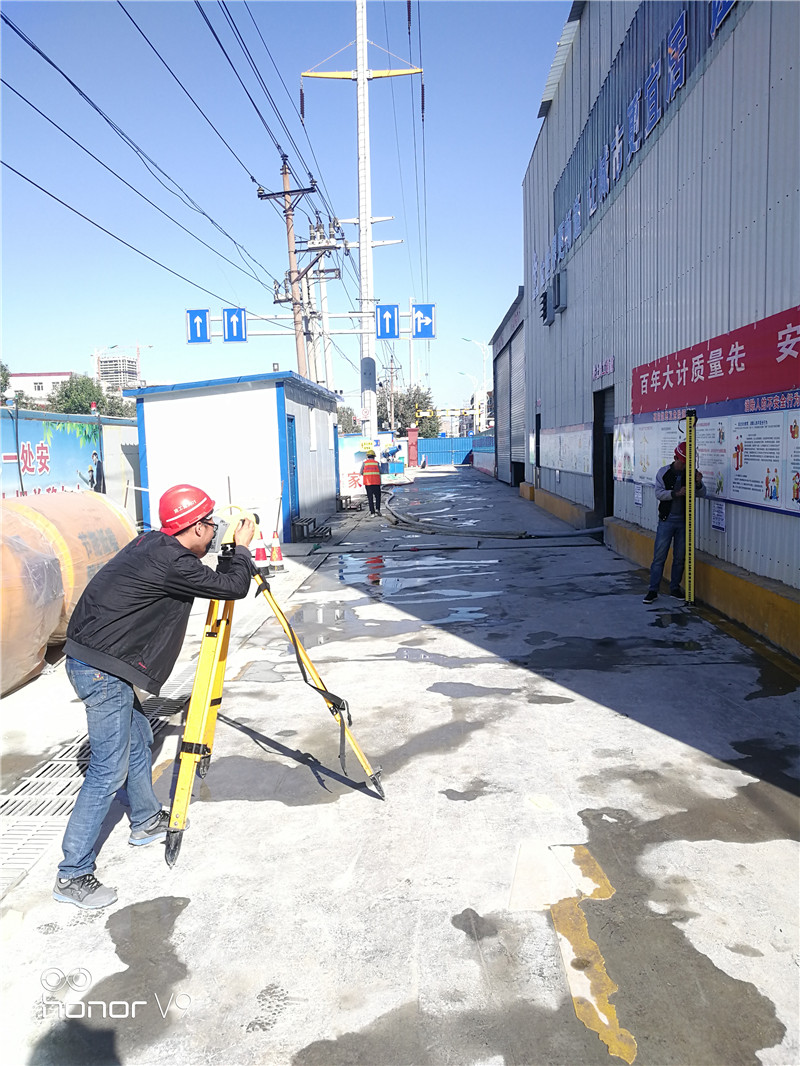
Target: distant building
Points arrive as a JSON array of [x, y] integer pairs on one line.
[[115, 369], [40, 384]]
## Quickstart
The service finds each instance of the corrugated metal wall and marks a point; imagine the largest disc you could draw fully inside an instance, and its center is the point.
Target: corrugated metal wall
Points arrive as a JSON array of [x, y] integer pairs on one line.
[[502, 415], [698, 237]]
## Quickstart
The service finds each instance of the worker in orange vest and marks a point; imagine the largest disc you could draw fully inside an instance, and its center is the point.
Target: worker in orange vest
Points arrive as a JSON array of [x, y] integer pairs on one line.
[[371, 476]]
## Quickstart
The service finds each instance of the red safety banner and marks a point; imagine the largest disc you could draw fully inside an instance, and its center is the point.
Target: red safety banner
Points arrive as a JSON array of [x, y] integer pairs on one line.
[[760, 358]]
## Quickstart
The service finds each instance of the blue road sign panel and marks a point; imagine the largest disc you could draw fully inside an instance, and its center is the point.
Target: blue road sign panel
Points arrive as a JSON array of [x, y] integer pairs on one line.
[[387, 322], [198, 326], [423, 321], [234, 324]]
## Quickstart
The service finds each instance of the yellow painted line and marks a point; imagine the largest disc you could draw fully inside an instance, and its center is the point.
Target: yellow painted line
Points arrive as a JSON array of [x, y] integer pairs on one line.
[[591, 869], [589, 984], [161, 767]]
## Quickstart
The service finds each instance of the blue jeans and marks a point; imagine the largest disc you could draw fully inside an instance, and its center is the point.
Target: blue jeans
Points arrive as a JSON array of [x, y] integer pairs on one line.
[[120, 738], [671, 530]]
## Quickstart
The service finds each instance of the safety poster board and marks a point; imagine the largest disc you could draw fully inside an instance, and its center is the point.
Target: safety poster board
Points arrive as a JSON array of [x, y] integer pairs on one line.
[[568, 449], [747, 450]]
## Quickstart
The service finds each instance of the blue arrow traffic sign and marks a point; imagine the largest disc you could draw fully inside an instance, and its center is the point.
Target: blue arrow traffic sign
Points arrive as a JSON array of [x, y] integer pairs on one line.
[[387, 322], [234, 324], [423, 320], [198, 326]]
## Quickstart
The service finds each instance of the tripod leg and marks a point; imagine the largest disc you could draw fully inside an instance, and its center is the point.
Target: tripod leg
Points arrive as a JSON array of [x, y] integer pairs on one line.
[[218, 680], [198, 733], [373, 775]]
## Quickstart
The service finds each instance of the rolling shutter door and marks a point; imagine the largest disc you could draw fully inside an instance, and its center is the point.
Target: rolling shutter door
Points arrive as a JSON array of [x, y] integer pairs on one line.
[[502, 411], [517, 346]]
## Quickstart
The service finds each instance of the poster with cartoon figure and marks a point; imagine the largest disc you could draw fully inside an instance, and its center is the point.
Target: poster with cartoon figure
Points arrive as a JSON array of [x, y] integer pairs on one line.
[[792, 444], [654, 444], [623, 451], [713, 460]]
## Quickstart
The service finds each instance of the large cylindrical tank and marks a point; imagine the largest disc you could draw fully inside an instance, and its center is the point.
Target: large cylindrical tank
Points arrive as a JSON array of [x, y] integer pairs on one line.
[[33, 597], [84, 529]]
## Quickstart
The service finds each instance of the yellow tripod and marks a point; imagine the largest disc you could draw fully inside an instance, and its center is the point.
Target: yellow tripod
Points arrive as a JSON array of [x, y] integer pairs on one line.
[[205, 701], [201, 718]]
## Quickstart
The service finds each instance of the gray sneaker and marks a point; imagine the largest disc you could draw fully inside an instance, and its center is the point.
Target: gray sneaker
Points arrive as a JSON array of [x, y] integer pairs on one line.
[[152, 831], [84, 891]]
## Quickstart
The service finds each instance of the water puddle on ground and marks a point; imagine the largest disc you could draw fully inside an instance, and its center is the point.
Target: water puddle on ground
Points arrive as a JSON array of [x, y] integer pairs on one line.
[[416, 585]]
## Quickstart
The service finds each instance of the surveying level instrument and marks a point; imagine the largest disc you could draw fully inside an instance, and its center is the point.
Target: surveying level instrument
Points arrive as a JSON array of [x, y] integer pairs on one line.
[[206, 699], [691, 501]]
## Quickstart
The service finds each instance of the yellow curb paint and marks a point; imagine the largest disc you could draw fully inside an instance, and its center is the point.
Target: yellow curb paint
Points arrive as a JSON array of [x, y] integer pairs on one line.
[[591, 869], [160, 768], [590, 986]]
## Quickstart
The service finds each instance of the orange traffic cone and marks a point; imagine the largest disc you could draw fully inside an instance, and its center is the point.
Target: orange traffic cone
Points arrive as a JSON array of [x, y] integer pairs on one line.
[[275, 555], [261, 552]]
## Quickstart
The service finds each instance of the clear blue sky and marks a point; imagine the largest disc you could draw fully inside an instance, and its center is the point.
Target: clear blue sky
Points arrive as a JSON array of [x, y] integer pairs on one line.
[[69, 289]]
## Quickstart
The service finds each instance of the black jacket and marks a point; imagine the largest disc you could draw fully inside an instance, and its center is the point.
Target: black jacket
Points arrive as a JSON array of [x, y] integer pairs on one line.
[[132, 616], [668, 482]]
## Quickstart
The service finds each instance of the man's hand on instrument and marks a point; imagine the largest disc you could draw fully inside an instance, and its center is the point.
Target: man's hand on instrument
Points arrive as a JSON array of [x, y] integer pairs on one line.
[[245, 532]]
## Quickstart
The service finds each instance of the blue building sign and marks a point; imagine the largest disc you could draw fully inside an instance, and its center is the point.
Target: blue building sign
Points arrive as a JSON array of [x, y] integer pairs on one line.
[[663, 48]]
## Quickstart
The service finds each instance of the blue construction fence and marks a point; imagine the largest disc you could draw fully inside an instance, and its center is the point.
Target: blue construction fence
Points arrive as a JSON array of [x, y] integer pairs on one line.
[[443, 451]]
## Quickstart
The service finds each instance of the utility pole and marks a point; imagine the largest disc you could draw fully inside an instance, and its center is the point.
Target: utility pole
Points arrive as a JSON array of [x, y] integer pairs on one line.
[[391, 390], [294, 278], [362, 75]]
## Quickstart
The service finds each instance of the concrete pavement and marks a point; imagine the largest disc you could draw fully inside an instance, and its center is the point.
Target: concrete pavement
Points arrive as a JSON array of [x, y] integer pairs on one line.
[[588, 851]]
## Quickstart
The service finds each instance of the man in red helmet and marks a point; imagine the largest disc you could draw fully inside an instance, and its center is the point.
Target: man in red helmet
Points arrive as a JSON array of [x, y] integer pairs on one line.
[[671, 496], [127, 629]]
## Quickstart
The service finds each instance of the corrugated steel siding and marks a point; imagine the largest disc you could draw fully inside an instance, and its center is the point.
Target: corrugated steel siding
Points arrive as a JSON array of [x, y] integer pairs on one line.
[[517, 398], [502, 415], [698, 237]]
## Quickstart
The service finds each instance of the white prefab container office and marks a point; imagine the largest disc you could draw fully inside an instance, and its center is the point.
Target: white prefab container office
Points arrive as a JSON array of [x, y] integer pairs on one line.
[[265, 442], [662, 269]]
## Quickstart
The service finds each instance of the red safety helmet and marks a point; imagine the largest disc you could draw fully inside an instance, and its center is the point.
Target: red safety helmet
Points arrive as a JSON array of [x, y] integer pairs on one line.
[[182, 506], [680, 451]]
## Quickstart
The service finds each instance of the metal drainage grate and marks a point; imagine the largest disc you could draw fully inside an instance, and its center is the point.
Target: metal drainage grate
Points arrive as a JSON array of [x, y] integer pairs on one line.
[[35, 813]]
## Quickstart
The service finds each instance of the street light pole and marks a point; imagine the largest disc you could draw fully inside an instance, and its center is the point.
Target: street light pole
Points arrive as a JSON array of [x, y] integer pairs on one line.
[[484, 351], [474, 381]]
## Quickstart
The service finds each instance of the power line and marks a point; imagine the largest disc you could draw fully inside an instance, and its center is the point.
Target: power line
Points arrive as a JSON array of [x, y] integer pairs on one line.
[[97, 225], [253, 276], [414, 134], [399, 161], [424, 154], [264, 122], [186, 91], [325, 198], [145, 159]]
